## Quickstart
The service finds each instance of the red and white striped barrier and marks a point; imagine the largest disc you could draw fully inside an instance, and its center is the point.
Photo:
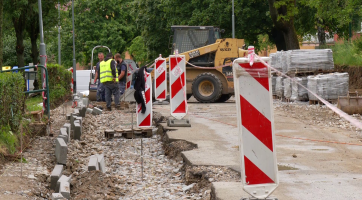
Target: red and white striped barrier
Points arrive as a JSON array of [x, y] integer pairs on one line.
[[254, 102], [129, 79], [177, 75], [160, 79], [145, 120]]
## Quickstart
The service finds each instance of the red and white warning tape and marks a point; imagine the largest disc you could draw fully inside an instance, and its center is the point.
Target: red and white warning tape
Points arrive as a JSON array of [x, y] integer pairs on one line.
[[342, 114]]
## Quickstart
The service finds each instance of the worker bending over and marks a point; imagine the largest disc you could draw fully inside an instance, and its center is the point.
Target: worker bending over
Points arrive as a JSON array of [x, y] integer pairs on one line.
[[108, 77], [100, 88], [122, 71]]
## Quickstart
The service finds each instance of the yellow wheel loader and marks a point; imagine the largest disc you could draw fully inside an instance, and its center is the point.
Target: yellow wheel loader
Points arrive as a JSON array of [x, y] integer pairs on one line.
[[203, 47]]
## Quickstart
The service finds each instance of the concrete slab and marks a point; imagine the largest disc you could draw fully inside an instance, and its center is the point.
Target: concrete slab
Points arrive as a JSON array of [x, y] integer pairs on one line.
[[96, 111], [80, 119], [68, 116], [68, 126], [55, 175], [57, 196], [228, 191], [89, 111], [93, 163], [64, 189], [101, 163], [63, 134], [61, 179], [82, 111], [77, 131], [61, 151]]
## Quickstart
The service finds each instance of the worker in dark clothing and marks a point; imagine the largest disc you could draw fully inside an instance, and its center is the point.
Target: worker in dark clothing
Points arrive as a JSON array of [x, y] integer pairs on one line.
[[122, 72], [100, 88], [140, 86], [109, 79]]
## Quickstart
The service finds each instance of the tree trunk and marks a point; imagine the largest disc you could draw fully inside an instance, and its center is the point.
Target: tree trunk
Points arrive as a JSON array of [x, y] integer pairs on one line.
[[321, 34], [20, 48], [19, 26], [34, 50], [283, 25], [1, 33], [290, 37]]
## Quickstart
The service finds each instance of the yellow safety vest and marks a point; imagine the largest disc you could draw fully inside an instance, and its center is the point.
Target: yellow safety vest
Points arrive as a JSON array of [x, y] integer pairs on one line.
[[106, 71]]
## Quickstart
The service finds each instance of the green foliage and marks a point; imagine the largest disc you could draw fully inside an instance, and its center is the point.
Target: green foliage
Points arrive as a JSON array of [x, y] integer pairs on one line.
[[9, 52], [8, 139], [12, 99], [32, 104], [348, 53], [59, 82], [138, 50]]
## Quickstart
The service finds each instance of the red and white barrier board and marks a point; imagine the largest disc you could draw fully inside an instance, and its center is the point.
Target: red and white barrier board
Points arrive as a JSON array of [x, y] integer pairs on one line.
[[160, 79], [129, 79], [177, 76], [254, 104], [145, 120]]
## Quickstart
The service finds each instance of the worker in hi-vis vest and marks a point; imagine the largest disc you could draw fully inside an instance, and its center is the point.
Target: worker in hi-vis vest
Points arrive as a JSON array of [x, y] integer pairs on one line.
[[109, 79]]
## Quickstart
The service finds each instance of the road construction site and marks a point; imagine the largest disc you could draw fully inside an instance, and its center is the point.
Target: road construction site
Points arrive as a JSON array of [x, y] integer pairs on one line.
[[318, 154]]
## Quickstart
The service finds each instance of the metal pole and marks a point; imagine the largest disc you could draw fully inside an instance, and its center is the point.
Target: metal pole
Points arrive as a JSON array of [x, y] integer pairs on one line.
[[74, 62], [142, 159], [59, 44], [42, 45], [233, 21]]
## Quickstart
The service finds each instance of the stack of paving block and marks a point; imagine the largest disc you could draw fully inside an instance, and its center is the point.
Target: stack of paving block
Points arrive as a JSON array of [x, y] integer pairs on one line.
[[287, 88], [294, 61], [279, 86], [328, 86], [298, 92], [309, 60]]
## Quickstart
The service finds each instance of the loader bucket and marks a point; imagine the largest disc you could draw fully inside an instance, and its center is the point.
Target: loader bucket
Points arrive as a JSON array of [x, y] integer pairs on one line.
[[350, 104]]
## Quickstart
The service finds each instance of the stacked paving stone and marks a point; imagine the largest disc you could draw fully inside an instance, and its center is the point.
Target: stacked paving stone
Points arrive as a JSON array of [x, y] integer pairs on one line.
[[294, 61], [72, 130]]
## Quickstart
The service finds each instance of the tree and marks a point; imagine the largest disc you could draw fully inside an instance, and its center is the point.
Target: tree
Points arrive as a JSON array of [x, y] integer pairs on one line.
[[18, 17], [282, 13], [334, 16]]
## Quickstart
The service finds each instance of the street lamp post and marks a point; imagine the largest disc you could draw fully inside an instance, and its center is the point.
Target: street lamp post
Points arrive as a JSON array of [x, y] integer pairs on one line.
[[74, 61], [233, 21]]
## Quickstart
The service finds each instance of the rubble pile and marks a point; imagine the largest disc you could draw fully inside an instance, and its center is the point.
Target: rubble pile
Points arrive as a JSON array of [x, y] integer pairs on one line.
[[316, 115]]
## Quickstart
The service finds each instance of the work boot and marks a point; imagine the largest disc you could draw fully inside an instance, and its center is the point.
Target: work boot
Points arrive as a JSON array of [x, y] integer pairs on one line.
[[118, 107], [109, 109]]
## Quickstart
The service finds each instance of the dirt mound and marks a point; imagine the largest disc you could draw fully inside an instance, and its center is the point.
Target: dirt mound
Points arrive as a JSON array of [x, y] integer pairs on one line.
[[96, 185], [173, 149]]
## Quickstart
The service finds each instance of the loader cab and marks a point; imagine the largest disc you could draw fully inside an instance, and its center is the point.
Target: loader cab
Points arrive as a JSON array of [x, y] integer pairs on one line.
[[186, 38]]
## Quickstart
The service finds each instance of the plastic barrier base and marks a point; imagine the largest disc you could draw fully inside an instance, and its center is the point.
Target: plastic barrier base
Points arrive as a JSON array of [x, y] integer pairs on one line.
[[161, 103], [178, 122]]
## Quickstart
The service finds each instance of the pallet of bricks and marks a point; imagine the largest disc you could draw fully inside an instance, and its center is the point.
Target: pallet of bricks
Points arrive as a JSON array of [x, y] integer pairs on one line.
[[314, 69]]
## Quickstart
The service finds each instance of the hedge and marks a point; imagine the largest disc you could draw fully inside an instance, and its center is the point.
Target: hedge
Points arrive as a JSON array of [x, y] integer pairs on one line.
[[60, 81], [12, 99]]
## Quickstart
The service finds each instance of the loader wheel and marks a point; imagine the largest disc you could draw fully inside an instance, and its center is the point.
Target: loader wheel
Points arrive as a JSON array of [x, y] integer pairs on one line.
[[207, 88], [223, 98]]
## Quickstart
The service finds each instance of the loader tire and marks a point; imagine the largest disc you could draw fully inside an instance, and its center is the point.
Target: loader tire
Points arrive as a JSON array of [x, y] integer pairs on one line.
[[206, 88], [223, 98]]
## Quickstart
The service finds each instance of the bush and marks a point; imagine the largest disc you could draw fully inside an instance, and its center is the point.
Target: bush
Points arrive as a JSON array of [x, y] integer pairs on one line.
[[348, 53], [12, 99], [60, 81]]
